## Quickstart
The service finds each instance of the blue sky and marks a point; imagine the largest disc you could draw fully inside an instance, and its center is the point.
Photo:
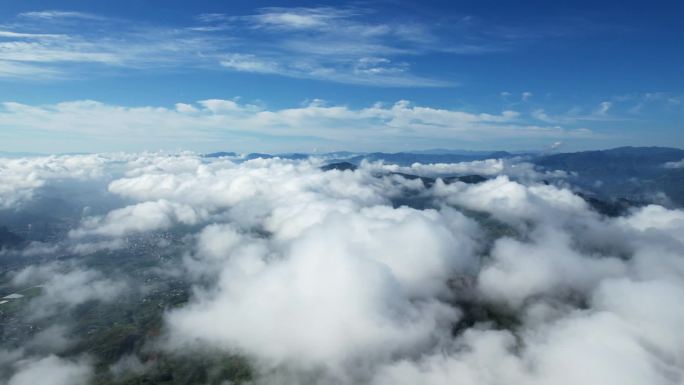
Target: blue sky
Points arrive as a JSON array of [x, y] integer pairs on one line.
[[324, 76]]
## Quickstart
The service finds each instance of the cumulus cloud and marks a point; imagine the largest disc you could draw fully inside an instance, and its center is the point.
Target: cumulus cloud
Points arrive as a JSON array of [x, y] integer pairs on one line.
[[147, 216], [546, 266], [336, 277], [19, 178], [656, 221], [364, 284], [486, 167], [514, 202], [565, 352], [514, 168]]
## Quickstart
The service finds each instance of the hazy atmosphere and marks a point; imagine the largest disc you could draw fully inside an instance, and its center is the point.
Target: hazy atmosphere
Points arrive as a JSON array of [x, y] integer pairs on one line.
[[341, 193]]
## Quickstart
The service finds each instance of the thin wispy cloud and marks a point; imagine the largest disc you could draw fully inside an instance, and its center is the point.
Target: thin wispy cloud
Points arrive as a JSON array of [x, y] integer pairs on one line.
[[301, 18], [621, 108], [17, 35], [56, 14], [54, 50], [603, 108], [576, 114], [334, 44], [639, 102], [250, 63], [13, 70], [337, 44]]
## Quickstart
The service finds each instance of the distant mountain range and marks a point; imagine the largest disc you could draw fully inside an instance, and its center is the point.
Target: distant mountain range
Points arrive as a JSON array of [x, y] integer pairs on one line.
[[634, 160], [631, 172], [400, 158], [622, 159]]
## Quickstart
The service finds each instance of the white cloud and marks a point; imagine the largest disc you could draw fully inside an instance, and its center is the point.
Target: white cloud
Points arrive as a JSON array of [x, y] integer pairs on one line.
[[655, 220], [120, 44], [52, 339], [565, 352], [678, 164], [319, 275], [185, 108], [51, 370], [576, 115], [20, 177], [363, 284], [322, 43], [250, 63], [485, 167], [11, 69], [547, 266], [513, 167], [540, 114], [62, 40], [56, 14], [514, 202], [10, 34], [49, 51], [189, 125], [147, 216], [128, 365], [604, 107], [299, 18], [64, 286], [218, 106]]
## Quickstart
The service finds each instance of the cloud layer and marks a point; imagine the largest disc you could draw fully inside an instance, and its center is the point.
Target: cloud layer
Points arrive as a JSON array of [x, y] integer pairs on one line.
[[250, 127], [324, 277]]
